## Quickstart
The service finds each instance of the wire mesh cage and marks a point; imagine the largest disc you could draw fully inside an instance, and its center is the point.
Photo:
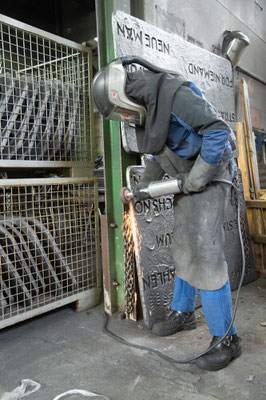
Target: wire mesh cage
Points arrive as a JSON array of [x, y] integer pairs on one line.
[[44, 96], [48, 242]]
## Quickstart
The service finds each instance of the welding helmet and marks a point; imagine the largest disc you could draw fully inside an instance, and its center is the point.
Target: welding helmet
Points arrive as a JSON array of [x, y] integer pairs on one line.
[[108, 92]]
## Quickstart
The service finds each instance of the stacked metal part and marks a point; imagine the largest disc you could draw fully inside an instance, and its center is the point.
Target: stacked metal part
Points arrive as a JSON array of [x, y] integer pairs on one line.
[[48, 248], [40, 119], [31, 264]]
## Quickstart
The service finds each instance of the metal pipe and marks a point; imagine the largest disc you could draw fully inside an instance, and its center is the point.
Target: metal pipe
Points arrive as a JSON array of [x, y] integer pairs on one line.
[[49, 62], [42, 33]]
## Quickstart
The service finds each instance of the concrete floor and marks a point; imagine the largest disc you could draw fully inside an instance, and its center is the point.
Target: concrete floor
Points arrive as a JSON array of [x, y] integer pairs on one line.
[[64, 350]]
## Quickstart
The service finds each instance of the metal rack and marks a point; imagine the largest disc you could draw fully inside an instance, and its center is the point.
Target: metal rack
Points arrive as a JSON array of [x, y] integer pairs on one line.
[[45, 102], [49, 235], [48, 245]]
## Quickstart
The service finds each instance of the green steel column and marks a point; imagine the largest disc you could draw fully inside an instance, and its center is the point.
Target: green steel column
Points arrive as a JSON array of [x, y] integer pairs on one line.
[[114, 158]]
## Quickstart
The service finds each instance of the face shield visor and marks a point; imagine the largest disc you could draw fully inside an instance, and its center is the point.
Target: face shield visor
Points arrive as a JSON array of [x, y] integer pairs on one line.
[[108, 92]]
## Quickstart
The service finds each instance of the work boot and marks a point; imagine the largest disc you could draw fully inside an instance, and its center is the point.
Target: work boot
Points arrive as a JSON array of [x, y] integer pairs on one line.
[[175, 322], [221, 355]]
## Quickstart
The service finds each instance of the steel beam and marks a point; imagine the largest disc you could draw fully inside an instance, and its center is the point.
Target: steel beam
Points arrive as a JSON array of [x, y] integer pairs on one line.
[[115, 161]]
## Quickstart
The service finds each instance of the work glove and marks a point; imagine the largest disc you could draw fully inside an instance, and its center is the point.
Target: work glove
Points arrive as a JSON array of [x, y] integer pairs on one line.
[[199, 176], [138, 195], [152, 172], [185, 187]]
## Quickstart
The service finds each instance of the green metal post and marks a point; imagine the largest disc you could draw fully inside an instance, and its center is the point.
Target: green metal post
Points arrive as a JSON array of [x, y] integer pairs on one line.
[[114, 159]]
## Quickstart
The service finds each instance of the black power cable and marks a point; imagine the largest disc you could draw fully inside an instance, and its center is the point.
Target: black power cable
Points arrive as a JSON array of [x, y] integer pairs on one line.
[[189, 360], [127, 60]]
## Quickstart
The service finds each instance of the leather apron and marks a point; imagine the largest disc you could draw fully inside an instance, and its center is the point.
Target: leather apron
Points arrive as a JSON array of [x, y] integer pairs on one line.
[[198, 237]]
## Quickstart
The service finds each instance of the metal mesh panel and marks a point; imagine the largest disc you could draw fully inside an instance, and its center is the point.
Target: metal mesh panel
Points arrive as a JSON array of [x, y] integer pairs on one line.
[[48, 241], [44, 98]]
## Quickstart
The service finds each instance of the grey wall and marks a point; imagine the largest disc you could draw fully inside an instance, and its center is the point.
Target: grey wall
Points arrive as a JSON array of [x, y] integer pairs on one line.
[[204, 21], [71, 19]]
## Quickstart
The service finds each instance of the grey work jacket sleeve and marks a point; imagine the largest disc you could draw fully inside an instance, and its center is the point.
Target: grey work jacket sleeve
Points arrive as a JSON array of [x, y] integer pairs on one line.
[[197, 114]]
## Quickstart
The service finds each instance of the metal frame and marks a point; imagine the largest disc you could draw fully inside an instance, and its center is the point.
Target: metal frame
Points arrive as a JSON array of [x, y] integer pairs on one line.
[[115, 163], [44, 164], [44, 181], [43, 35], [49, 246], [87, 299], [47, 35], [86, 293]]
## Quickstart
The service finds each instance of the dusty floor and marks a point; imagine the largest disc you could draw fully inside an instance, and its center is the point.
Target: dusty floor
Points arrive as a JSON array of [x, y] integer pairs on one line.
[[64, 350]]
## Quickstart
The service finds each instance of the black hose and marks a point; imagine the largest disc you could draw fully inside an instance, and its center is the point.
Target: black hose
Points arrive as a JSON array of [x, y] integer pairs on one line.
[[127, 60], [189, 360]]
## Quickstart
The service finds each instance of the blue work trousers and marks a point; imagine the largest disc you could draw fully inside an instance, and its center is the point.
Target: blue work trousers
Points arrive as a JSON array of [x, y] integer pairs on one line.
[[216, 304]]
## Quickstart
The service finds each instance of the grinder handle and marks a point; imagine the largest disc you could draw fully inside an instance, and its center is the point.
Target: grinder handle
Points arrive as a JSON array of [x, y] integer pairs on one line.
[[164, 188], [154, 189]]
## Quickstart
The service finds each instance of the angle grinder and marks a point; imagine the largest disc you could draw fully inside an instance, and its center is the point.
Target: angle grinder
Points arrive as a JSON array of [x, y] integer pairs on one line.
[[153, 190]]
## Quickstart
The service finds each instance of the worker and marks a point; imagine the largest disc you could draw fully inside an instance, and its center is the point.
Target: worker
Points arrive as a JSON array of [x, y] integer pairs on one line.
[[187, 140]]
